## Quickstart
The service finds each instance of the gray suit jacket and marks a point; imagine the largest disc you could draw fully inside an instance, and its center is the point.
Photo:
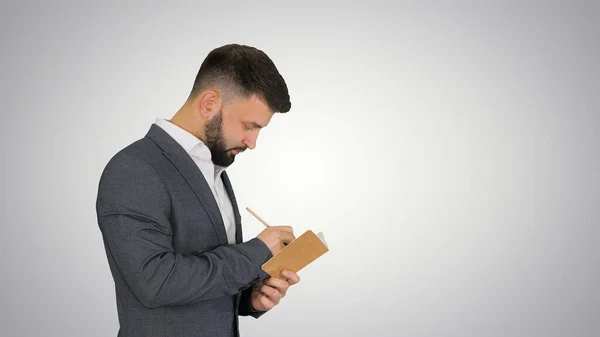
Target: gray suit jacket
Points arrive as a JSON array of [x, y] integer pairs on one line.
[[175, 273]]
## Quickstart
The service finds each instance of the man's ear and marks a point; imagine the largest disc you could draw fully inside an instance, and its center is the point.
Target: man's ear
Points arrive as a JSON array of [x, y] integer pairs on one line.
[[208, 104]]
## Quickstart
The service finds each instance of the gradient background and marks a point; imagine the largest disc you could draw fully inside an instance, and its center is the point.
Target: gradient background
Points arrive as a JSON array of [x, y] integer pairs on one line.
[[449, 151]]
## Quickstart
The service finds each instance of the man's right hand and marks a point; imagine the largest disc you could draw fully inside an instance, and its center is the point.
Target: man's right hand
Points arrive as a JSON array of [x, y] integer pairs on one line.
[[276, 237]]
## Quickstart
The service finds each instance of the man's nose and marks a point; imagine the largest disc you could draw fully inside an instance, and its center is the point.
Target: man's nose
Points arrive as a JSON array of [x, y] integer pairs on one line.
[[250, 142]]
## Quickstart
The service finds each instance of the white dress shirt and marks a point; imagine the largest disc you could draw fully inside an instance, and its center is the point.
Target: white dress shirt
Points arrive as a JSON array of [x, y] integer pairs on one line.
[[201, 155]]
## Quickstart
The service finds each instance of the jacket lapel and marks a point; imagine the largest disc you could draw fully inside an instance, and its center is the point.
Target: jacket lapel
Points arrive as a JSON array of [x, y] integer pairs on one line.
[[236, 213], [193, 176]]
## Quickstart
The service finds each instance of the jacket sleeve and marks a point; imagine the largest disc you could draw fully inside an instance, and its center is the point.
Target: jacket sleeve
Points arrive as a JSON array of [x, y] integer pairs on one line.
[[133, 210]]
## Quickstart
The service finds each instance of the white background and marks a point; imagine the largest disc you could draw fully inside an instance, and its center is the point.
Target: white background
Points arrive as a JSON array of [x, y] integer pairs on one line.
[[448, 151]]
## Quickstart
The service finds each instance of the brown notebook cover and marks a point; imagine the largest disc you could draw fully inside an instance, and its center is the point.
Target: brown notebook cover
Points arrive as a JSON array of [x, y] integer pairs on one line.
[[296, 255]]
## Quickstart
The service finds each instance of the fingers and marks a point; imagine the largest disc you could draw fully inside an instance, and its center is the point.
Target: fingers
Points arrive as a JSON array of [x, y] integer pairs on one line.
[[292, 277], [276, 283], [276, 237], [282, 285], [286, 237], [272, 294], [266, 302], [286, 233], [270, 291], [279, 285], [283, 228]]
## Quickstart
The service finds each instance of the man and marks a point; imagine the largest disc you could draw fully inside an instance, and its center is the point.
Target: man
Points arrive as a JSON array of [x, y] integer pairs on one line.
[[168, 215]]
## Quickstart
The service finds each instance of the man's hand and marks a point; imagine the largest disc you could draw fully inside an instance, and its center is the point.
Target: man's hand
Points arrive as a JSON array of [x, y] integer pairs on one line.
[[267, 293], [276, 237]]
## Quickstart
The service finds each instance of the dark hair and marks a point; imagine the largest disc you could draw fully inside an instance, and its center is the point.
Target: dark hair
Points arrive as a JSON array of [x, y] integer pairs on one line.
[[243, 70]]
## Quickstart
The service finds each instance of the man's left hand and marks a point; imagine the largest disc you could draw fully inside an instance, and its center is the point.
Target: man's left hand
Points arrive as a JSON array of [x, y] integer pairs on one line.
[[267, 293]]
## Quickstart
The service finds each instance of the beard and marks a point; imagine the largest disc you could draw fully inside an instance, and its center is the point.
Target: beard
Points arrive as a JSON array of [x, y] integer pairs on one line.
[[220, 153]]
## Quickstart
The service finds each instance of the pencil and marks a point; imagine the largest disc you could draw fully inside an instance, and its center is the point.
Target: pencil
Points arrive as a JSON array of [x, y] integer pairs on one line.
[[256, 216]]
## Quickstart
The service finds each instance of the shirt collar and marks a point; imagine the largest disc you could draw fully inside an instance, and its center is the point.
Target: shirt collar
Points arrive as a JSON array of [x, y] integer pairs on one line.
[[190, 143]]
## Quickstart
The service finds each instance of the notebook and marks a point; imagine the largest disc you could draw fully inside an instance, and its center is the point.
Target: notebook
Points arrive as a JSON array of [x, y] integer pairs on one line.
[[297, 254]]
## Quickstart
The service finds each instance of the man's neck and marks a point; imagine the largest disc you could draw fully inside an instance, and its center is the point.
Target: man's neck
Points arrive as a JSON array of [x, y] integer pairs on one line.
[[185, 119]]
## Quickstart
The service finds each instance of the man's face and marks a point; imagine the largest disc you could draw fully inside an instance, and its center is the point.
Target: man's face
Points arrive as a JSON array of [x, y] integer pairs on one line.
[[234, 129]]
